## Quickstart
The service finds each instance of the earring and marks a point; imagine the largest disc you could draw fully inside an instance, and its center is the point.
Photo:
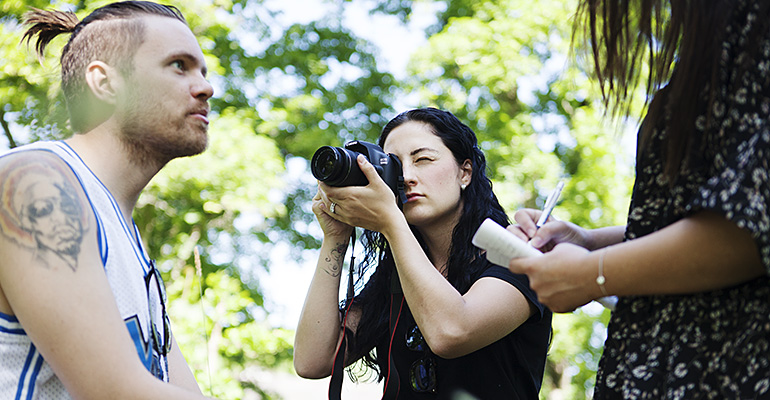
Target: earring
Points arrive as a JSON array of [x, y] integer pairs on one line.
[[462, 186]]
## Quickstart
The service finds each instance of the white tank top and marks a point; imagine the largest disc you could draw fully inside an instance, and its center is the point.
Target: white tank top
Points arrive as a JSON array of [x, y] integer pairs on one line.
[[24, 374]]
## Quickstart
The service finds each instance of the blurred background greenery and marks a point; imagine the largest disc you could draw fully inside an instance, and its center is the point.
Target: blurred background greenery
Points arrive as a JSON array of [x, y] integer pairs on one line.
[[291, 76]]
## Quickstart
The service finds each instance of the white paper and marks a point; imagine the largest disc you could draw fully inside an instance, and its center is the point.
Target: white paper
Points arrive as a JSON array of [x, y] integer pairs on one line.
[[502, 246]]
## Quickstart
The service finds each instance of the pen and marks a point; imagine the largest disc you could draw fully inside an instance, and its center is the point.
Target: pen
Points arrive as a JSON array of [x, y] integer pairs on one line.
[[550, 203]]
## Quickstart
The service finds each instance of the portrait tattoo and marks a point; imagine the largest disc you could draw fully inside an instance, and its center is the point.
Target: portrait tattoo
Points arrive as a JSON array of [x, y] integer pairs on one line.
[[41, 210], [335, 259]]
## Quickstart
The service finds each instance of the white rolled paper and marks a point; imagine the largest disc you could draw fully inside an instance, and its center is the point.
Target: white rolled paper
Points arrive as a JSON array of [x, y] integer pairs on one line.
[[500, 244]]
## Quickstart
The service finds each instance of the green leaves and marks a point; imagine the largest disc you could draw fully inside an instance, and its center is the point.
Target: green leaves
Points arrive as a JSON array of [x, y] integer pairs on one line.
[[506, 68], [284, 89]]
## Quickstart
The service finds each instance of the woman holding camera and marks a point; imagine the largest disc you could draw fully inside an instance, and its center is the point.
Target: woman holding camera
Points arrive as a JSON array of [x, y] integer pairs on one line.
[[447, 333]]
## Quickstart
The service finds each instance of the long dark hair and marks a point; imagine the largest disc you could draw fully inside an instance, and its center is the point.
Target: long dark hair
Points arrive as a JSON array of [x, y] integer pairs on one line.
[[682, 43], [465, 263]]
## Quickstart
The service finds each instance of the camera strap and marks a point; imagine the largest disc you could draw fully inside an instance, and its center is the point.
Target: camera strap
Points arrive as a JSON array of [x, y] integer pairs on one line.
[[335, 383], [392, 381]]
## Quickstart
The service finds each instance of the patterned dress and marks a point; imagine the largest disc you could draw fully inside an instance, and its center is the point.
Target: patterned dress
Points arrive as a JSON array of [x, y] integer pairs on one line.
[[710, 345]]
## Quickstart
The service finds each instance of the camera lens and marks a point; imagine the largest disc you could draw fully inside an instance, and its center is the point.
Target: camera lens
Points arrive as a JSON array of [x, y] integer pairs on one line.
[[336, 167], [324, 162], [330, 164]]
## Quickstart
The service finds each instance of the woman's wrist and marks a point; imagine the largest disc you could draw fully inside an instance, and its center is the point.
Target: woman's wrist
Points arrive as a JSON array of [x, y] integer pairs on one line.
[[332, 256], [392, 227], [600, 278], [598, 238]]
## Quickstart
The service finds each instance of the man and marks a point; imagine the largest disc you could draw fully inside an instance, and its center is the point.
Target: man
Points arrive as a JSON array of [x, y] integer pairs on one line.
[[81, 304]]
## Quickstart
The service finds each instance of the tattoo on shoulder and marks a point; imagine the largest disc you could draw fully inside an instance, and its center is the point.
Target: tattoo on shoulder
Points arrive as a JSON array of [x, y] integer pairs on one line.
[[335, 259], [41, 208]]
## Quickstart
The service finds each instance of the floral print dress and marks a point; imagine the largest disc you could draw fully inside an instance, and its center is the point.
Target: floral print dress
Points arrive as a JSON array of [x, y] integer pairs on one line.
[[709, 345]]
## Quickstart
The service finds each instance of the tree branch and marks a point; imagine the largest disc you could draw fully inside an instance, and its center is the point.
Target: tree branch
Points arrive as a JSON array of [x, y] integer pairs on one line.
[[7, 130]]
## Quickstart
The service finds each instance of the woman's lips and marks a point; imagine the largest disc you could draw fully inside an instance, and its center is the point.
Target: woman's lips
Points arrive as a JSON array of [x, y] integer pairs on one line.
[[412, 196]]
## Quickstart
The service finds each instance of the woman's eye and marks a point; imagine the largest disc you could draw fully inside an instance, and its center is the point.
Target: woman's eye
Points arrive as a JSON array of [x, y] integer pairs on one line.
[[177, 64]]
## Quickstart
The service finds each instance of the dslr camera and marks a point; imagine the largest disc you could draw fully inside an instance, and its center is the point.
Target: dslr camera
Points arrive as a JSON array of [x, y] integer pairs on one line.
[[337, 166]]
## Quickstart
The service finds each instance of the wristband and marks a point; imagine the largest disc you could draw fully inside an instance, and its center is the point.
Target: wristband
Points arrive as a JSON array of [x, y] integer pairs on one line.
[[600, 280]]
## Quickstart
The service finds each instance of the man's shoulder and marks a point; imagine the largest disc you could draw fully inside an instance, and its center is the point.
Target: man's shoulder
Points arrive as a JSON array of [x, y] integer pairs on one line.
[[43, 208], [37, 157]]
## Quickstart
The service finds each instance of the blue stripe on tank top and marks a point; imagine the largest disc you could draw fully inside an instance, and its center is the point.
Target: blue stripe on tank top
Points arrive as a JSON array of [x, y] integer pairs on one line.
[[10, 324], [24, 378], [101, 235], [116, 208], [9, 318], [33, 378], [141, 245]]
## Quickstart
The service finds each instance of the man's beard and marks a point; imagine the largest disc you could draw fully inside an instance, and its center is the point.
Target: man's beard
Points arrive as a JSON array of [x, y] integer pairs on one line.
[[157, 139]]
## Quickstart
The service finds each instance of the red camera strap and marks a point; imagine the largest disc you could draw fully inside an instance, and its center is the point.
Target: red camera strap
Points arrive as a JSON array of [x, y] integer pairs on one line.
[[392, 381]]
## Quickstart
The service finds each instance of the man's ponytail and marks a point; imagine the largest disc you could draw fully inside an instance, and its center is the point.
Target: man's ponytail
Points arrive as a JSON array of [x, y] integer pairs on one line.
[[47, 25]]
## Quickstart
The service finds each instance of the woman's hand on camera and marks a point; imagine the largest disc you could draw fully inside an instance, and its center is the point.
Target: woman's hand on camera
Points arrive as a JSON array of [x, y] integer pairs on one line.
[[330, 226], [550, 234], [371, 207]]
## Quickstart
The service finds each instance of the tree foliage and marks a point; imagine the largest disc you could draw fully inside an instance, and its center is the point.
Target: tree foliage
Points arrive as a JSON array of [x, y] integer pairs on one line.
[[504, 67]]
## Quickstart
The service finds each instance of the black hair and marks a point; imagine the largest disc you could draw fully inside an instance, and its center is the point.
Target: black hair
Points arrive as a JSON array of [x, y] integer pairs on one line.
[[466, 262], [682, 42]]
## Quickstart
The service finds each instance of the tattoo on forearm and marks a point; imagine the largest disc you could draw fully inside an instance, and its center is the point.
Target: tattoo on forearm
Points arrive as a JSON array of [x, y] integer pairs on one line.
[[41, 210], [334, 260]]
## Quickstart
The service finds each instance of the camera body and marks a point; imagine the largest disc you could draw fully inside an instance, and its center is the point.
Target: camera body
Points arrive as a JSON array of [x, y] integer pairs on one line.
[[337, 166]]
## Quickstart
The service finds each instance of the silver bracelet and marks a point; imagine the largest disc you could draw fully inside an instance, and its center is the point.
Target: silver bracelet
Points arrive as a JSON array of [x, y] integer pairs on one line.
[[600, 280]]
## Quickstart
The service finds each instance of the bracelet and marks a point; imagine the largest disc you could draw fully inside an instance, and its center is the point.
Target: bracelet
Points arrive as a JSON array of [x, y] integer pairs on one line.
[[601, 279]]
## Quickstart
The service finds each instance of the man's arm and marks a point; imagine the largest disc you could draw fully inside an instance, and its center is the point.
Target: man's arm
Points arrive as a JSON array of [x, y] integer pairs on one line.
[[53, 281], [179, 372]]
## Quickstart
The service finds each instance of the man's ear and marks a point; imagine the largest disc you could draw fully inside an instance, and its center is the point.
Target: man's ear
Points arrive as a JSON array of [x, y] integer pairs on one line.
[[103, 81]]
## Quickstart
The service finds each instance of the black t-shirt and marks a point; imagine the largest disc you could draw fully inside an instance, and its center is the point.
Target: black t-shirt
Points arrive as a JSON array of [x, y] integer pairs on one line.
[[511, 368]]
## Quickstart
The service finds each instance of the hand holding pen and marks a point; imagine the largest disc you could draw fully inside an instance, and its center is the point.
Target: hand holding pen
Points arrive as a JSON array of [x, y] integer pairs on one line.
[[556, 233], [550, 203], [526, 228]]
